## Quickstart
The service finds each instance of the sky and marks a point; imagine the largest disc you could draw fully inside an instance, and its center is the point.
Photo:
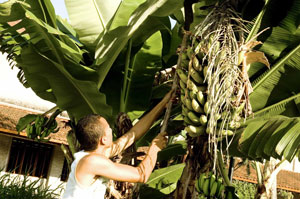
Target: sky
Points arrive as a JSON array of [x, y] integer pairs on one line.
[[59, 6], [11, 90]]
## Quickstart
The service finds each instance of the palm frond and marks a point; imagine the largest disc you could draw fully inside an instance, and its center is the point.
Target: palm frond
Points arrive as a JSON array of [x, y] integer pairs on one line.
[[277, 137], [279, 83], [287, 107]]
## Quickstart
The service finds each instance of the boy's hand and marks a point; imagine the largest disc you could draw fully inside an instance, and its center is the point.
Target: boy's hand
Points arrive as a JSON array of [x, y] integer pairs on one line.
[[160, 141]]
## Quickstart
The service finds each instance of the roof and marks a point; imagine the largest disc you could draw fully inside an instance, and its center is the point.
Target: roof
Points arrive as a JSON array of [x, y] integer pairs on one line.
[[12, 23], [287, 180], [10, 115]]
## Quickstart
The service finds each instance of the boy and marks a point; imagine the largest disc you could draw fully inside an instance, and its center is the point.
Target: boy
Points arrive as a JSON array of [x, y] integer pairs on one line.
[[92, 166]]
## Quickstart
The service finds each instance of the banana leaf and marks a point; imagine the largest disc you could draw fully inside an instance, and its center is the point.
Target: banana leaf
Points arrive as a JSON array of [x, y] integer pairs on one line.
[[162, 182], [172, 150], [135, 93], [275, 136], [54, 83], [112, 42], [51, 66], [44, 10], [275, 89], [129, 87], [279, 83], [124, 12], [90, 18], [280, 17], [274, 131]]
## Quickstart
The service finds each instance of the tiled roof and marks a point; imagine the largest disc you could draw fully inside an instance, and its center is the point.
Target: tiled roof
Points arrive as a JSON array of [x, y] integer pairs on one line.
[[286, 180], [10, 115], [12, 23]]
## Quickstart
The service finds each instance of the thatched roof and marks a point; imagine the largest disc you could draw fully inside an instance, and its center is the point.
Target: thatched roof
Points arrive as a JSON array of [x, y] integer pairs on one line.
[[287, 180], [10, 115]]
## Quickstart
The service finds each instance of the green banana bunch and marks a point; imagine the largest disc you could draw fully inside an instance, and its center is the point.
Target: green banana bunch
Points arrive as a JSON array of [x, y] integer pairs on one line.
[[194, 94], [209, 186], [29, 131], [41, 126]]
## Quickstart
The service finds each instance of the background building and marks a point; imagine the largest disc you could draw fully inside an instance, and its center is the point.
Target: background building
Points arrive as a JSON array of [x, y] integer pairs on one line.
[[18, 154]]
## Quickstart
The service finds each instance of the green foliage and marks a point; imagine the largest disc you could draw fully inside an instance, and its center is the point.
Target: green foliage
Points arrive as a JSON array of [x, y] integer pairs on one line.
[[115, 47], [172, 150], [81, 12], [49, 60], [116, 41], [38, 127], [276, 137], [283, 194], [22, 123], [162, 182], [57, 70], [22, 187], [275, 91], [58, 62], [135, 84], [245, 190]]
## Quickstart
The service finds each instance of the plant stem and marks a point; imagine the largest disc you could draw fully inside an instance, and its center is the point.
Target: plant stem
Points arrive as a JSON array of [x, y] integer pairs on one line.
[[258, 173], [50, 111], [222, 169], [231, 168], [174, 85], [256, 26], [123, 99]]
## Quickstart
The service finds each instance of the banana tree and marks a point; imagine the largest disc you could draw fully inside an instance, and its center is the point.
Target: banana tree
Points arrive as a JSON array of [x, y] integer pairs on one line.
[[275, 97], [272, 129], [273, 101], [60, 64]]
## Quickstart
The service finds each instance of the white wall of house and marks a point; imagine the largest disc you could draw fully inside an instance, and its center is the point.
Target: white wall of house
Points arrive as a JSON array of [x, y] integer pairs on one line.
[[5, 142], [55, 169]]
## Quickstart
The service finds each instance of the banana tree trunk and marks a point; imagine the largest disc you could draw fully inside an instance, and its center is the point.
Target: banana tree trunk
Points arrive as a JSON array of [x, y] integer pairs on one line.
[[267, 188], [198, 160]]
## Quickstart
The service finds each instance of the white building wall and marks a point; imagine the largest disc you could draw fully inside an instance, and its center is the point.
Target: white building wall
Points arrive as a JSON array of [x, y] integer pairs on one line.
[[55, 169], [5, 143]]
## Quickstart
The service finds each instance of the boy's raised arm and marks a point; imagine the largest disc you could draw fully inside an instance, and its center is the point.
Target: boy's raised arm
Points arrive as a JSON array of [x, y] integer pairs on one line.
[[100, 166], [141, 127]]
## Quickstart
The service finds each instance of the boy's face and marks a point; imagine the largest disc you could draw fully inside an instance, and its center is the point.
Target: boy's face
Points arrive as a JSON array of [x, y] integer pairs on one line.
[[108, 132]]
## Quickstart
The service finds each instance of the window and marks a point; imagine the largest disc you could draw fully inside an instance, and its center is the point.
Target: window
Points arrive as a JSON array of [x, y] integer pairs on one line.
[[29, 158], [65, 171]]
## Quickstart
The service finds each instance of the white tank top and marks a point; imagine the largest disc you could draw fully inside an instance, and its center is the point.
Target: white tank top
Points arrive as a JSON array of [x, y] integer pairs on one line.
[[76, 191]]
